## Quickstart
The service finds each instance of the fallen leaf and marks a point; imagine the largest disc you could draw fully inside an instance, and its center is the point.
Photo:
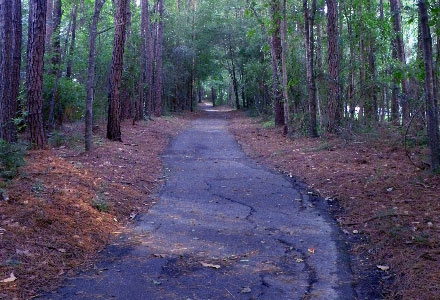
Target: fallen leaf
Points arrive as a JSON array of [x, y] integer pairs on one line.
[[383, 268], [246, 290], [11, 278], [160, 255], [311, 250], [206, 265]]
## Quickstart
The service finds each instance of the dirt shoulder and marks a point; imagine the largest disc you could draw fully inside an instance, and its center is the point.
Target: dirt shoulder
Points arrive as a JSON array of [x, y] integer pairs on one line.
[[383, 197], [66, 205]]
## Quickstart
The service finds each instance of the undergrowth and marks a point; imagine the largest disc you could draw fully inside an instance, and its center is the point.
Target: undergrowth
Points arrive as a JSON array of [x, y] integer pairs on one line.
[[11, 158]]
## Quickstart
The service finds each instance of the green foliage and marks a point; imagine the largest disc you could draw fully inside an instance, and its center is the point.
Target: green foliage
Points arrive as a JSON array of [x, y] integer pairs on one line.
[[11, 158], [100, 202], [69, 99], [268, 124]]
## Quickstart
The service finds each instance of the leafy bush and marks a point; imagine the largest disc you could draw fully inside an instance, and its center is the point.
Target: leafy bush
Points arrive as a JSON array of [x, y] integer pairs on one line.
[[11, 158], [57, 139], [268, 124]]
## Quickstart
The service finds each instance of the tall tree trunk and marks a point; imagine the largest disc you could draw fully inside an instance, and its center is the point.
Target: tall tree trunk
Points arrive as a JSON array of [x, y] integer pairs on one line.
[[49, 24], [150, 61], [363, 71], [284, 48], [276, 50], [352, 84], [320, 71], [16, 62], [72, 42], [56, 61], [371, 88], [56, 37], [6, 61], [430, 89], [88, 134], [309, 16], [139, 104], [399, 46], [213, 95], [334, 97], [233, 74], [114, 101], [158, 77], [34, 77]]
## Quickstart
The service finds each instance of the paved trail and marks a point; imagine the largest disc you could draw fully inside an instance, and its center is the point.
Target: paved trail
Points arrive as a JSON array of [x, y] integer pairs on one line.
[[221, 208]]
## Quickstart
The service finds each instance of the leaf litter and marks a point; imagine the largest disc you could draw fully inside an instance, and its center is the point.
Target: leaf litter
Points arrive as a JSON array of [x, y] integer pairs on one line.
[[54, 221]]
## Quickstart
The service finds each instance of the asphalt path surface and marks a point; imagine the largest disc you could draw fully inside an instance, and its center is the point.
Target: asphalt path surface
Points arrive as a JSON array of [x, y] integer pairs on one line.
[[225, 227]]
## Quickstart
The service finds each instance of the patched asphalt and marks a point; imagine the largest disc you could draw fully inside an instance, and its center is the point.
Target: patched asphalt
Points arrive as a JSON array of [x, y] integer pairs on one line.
[[225, 227]]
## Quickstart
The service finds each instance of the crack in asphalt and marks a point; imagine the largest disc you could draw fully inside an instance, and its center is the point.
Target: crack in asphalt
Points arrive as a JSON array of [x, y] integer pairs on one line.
[[192, 249], [250, 207]]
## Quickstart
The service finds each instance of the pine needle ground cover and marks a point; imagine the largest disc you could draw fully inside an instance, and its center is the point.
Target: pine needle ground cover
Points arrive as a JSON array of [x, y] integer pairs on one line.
[[388, 205], [66, 205]]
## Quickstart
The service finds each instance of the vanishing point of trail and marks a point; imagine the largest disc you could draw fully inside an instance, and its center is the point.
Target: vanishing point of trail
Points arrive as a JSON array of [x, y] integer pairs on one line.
[[224, 228]]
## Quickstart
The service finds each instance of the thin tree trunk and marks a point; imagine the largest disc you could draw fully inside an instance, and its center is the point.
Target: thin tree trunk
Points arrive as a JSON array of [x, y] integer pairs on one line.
[[34, 78], [276, 53], [56, 37], [56, 61], [158, 77], [213, 96], [150, 61], [333, 66], [430, 89], [139, 104], [72, 42], [320, 71], [114, 108], [309, 16], [49, 24], [399, 46], [284, 67], [16, 62], [6, 60]]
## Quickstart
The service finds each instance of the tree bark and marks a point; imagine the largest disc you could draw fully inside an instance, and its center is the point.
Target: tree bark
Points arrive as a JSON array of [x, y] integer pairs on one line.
[[114, 101], [34, 77], [213, 96], [72, 42], [334, 97], [159, 54], [399, 47], [150, 61], [276, 51], [56, 61], [284, 48], [49, 24], [56, 37], [233, 74], [139, 104], [430, 88], [17, 33], [88, 134], [309, 16], [6, 122]]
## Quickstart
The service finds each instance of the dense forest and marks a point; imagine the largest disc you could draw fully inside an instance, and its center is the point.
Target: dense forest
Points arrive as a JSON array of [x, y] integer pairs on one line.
[[339, 97], [316, 66]]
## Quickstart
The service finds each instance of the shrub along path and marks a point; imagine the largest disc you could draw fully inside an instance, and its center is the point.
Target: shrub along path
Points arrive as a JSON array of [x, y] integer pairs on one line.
[[224, 228]]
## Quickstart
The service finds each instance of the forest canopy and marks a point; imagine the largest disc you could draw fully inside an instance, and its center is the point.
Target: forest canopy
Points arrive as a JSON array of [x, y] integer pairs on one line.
[[315, 66]]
